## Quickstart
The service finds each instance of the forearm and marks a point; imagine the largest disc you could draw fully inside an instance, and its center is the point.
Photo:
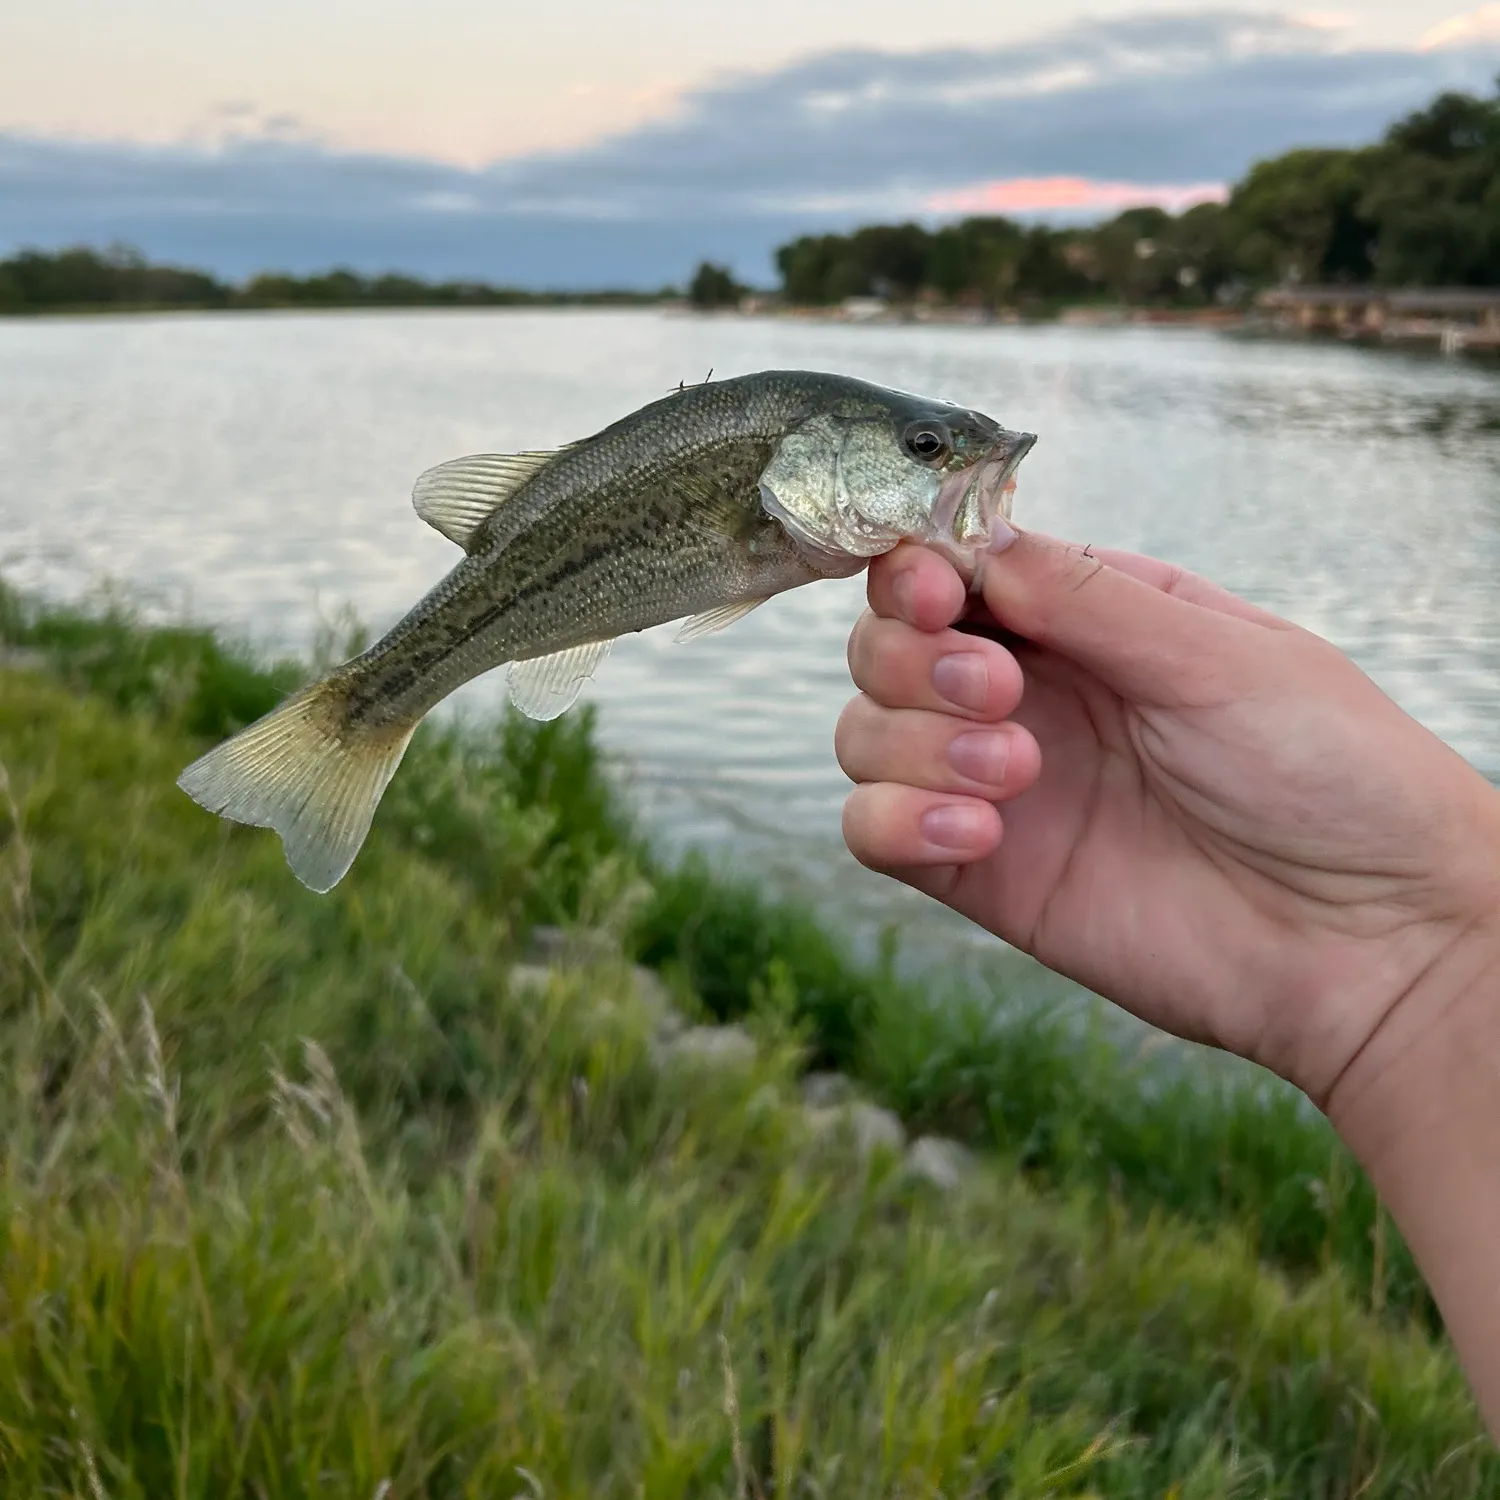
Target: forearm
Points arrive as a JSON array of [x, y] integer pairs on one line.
[[1422, 1113]]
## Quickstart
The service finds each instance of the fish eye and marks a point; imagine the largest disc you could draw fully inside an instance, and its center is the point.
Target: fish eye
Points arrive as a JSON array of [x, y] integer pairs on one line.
[[928, 442]]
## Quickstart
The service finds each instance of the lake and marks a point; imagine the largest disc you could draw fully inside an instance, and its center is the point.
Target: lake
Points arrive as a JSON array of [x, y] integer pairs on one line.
[[255, 470]]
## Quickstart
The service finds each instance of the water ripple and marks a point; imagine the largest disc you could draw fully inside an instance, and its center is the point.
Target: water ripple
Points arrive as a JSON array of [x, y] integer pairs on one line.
[[255, 471]]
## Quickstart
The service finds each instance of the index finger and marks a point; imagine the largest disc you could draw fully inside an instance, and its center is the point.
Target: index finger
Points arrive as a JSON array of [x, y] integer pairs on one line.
[[1181, 584]]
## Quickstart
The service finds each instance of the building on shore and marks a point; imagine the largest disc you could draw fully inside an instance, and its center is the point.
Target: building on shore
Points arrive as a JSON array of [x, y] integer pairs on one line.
[[1452, 319]]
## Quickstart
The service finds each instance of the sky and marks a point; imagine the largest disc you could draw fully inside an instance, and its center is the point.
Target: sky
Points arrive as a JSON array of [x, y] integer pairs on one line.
[[589, 142]]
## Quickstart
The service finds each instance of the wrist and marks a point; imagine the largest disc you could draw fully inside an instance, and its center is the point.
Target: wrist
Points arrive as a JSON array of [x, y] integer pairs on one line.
[[1447, 998], [1444, 1029], [1420, 1109]]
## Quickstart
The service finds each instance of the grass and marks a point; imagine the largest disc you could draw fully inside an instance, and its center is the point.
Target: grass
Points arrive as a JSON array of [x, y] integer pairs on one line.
[[1052, 1092], [306, 1196], [1061, 1102]]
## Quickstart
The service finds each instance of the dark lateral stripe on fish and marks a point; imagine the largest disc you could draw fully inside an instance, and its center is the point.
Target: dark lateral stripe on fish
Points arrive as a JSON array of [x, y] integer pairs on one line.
[[400, 674], [658, 516], [566, 568]]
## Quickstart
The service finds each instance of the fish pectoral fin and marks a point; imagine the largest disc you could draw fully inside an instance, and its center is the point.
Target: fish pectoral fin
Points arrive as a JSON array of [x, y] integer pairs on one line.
[[547, 686], [706, 506], [711, 621], [457, 497]]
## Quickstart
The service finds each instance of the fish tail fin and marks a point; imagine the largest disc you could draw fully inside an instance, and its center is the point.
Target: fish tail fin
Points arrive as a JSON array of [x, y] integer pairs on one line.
[[307, 772]]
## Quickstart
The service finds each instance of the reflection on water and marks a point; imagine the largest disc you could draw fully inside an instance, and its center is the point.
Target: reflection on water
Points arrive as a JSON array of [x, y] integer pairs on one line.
[[256, 471]]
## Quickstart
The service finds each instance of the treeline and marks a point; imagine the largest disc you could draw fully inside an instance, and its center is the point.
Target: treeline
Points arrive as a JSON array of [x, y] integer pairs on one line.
[[1420, 207], [81, 278], [117, 278]]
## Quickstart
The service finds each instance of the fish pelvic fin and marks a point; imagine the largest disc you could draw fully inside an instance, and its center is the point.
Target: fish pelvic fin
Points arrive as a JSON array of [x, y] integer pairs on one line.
[[306, 772], [546, 686], [711, 621]]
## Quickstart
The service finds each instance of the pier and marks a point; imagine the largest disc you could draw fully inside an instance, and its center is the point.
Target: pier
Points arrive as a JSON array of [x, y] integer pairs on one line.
[[1452, 320]]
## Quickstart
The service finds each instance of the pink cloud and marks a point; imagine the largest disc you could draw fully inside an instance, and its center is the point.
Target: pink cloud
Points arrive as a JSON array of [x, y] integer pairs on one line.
[[1480, 25], [1013, 195]]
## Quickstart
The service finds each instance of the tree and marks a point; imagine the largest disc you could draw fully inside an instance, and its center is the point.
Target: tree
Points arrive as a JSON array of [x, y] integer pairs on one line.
[[713, 286], [1434, 195], [1300, 217], [1133, 257], [119, 276], [1045, 271], [975, 260], [892, 259], [1202, 246]]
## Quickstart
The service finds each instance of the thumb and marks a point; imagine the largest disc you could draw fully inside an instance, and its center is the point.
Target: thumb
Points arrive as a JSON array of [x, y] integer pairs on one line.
[[1138, 639]]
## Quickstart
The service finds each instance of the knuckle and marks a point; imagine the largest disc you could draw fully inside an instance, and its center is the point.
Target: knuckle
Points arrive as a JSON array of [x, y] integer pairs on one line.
[[858, 648], [1082, 570], [1067, 567], [1178, 581], [859, 825], [884, 657], [851, 735], [873, 666]]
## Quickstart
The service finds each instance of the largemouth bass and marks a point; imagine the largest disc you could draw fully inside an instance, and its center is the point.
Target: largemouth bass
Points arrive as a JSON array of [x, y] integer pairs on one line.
[[703, 504]]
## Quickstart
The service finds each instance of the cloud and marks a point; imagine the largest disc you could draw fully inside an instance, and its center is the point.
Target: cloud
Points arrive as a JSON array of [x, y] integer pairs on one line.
[[1153, 108], [1071, 196], [1182, 99], [1482, 25]]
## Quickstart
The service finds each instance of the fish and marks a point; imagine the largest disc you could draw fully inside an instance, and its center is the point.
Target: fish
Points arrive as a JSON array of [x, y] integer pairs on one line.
[[699, 506]]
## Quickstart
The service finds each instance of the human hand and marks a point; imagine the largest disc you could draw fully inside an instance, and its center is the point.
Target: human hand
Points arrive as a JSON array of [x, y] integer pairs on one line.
[[1212, 817]]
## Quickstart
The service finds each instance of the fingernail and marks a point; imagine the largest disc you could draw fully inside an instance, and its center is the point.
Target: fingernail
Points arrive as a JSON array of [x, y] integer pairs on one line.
[[962, 678], [1001, 534], [981, 755], [958, 825]]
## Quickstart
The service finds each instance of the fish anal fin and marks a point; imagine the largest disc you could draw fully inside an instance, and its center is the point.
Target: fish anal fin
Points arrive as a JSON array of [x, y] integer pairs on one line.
[[711, 621], [547, 686], [457, 497]]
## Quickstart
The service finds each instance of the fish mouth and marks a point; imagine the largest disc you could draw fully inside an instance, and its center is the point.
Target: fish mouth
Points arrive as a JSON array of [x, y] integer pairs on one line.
[[971, 499]]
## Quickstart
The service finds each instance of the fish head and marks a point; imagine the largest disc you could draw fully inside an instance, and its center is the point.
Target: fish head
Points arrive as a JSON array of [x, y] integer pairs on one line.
[[851, 483]]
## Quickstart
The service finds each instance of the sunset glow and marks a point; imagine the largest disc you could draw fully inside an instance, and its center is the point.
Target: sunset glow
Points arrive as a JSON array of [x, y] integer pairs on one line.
[[1457, 31], [1019, 195]]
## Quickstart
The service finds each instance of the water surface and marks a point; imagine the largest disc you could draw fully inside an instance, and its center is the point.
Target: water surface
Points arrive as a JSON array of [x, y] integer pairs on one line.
[[255, 471]]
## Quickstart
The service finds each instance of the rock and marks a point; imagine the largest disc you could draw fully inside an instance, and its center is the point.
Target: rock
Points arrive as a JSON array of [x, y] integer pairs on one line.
[[525, 977], [940, 1161], [553, 952], [873, 1128], [656, 999], [819, 1090], [573, 946], [22, 659], [717, 1046], [766, 1100]]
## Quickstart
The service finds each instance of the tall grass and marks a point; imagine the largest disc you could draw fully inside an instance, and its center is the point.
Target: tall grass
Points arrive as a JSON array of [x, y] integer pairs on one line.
[[304, 1196], [522, 819]]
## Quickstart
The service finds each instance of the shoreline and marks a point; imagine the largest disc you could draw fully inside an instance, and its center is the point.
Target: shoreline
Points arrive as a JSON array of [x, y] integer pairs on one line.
[[978, 1058], [1419, 336], [377, 1156]]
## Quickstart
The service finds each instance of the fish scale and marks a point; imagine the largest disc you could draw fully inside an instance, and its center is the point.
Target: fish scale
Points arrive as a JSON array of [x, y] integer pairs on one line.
[[702, 504]]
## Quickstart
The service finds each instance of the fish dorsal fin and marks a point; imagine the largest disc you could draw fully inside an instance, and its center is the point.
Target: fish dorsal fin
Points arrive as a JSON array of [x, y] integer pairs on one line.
[[546, 686], [710, 621], [457, 497]]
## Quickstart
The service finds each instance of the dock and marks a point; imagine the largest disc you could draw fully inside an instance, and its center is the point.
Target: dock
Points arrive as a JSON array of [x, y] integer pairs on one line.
[[1450, 320]]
